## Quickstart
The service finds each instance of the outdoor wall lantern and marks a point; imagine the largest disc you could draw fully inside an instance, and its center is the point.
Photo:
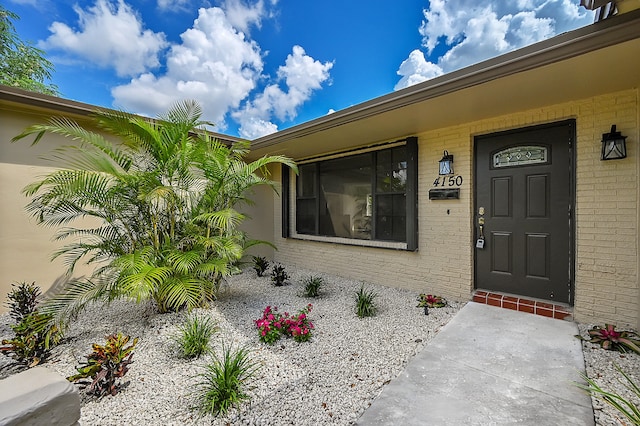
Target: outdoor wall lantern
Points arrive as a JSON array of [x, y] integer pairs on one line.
[[614, 146], [446, 164]]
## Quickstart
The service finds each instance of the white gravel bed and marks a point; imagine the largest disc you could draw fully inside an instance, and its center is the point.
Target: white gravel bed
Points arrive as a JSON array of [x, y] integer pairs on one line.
[[331, 379], [600, 366]]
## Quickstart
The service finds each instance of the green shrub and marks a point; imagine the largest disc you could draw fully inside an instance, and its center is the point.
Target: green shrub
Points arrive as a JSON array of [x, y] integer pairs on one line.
[[194, 336], [260, 265], [624, 406], [312, 286], [22, 300], [365, 302], [279, 276], [224, 381], [105, 366], [35, 332]]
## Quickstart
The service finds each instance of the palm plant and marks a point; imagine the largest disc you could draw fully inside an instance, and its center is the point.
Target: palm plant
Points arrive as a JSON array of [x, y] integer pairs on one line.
[[163, 197]]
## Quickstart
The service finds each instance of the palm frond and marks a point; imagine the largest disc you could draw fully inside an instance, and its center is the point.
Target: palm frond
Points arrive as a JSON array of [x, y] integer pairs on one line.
[[184, 291], [142, 284], [73, 297], [184, 262], [226, 220]]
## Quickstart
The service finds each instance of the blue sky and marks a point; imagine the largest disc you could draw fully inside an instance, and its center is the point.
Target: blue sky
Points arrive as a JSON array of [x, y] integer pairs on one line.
[[258, 66]]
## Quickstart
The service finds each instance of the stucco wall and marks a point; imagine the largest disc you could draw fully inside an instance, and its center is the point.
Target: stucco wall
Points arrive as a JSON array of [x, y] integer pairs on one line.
[[25, 247], [258, 224], [606, 269]]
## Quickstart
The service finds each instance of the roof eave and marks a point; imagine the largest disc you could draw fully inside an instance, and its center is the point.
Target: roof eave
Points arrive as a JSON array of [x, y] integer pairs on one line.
[[66, 106]]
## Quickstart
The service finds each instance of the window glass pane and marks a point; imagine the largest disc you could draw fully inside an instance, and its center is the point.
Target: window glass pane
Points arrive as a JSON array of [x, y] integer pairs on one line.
[[335, 198], [306, 180], [391, 170], [345, 203], [520, 156], [391, 217], [305, 216]]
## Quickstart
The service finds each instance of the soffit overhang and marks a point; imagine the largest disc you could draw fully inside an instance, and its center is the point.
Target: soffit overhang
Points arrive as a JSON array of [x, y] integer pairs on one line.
[[601, 58]]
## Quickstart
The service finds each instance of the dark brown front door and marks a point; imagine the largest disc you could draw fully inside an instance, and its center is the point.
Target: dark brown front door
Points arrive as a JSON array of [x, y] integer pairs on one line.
[[523, 212]]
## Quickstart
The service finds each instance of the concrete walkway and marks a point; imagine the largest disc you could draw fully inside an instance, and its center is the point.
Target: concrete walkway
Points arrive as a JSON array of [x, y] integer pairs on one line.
[[490, 366]]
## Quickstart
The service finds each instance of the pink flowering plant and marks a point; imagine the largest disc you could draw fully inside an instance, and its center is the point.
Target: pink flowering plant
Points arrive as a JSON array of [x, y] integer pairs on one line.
[[273, 325]]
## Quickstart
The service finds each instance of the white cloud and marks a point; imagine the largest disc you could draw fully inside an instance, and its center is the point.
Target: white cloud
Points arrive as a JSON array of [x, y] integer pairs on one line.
[[470, 32], [109, 35], [173, 4], [302, 75], [215, 64], [242, 16], [416, 69]]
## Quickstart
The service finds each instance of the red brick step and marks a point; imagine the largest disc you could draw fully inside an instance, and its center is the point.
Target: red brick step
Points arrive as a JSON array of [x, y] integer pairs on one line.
[[516, 303]]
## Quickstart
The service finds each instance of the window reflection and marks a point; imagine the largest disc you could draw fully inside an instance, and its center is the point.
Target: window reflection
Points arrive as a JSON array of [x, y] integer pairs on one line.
[[361, 196]]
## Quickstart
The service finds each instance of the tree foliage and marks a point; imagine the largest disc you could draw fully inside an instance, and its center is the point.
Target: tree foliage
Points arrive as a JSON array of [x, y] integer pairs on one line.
[[163, 199], [21, 64]]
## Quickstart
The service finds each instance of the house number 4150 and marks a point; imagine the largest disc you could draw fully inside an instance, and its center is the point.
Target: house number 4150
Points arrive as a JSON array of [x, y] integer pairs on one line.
[[448, 181]]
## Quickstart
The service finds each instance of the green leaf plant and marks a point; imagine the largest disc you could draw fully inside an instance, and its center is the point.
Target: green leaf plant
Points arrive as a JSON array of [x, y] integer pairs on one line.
[[312, 285], [194, 336], [223, 383], [622, 405], [365, 302], [35, 332], [105, 366], [279, 275], [23, 299], [163, 195], [260, 265]]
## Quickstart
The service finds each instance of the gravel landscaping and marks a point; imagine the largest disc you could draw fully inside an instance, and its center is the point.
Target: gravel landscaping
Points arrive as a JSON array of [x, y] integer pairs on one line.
[[330, 380], [601, 368]]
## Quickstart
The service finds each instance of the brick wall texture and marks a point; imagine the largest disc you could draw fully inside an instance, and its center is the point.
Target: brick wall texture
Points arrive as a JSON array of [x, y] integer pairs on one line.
[[606, 215]]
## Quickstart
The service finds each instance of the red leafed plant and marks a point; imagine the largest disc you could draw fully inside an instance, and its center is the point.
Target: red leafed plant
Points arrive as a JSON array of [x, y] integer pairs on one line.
[[431, 301], [612, 339], [105, 365]]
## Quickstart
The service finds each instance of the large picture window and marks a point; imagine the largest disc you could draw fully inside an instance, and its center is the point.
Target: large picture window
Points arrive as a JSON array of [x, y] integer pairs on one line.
[[363, 196]]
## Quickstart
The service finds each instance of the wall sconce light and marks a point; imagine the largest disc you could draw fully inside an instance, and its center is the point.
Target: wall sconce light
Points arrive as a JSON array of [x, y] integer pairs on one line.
[[446, 164], [614, 146]]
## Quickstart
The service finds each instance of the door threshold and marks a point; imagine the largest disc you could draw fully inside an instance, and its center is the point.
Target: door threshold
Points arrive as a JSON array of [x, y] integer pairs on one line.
[[521, 304]]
